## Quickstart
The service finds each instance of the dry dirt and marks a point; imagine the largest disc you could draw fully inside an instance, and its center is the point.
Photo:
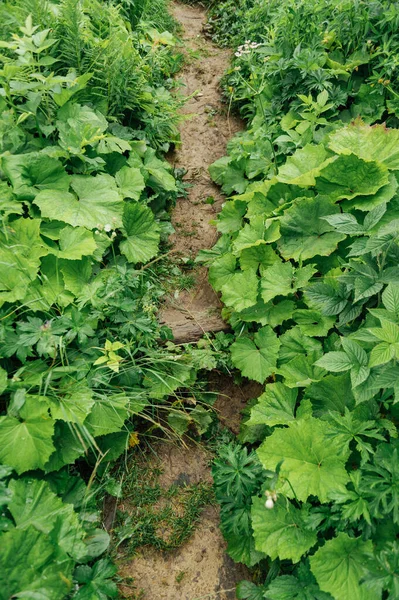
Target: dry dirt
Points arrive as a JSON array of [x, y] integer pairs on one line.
[[204, 135], [200, 569]]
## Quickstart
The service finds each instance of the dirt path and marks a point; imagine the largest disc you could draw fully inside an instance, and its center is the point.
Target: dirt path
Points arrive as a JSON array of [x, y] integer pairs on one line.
[[204, 135], [200, 569]]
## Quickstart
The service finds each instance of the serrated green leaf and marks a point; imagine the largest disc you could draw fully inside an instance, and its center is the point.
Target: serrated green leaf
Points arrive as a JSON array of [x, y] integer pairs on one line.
[[75, 242], [303, 166], [304, 231], [282, 279], [282, 531], [130, 182], [340, 565], [256, 359], [375, 142], [313, 462], [27, 444], [381, 354], [349, 176], [73, 406], [335, 362], [222, 270], [231, 216], [108, 414], [257, 257], [31, 566], [33, 504], [32, 172], [275, 406], [97, 202], [332, 393], [241, 291], [142, 233], [76, 274], [312, 322]]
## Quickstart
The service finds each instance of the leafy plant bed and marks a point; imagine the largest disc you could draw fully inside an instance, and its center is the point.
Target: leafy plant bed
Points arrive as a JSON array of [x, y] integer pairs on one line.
[[85, 113], [306, 266]]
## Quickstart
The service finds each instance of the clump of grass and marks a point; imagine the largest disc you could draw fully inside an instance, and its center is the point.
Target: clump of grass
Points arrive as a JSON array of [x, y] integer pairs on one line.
[[151, 515]]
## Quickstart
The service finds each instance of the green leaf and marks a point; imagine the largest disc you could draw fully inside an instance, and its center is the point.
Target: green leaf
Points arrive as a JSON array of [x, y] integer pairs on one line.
[[32, 172], [304, 165], [281, 532], [246, 590], [79, 126], [76, 274], [70, 443], [312, 322], [231, 215], [130, 182], [222, 270], [74, 405], [390, 298], [313, 462], [26, 444], [282, 279], [97, 581], [3, 380], [335, 362], [301, 370], [275, 406], [241, 291], [142, 233], [256, 360], [304, 231], [370, 143], [31, 566], [381, 354], [108, 414], [374, 201], [257, 257], [258, 231], [340, 565], [97, 202], [332, 393], [33, 504], [231, 178], [303, 587], [349, 176], [159, 172], [75, 242]]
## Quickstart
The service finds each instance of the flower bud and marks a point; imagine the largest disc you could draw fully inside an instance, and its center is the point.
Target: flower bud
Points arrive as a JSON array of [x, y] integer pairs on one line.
[[269, 503]]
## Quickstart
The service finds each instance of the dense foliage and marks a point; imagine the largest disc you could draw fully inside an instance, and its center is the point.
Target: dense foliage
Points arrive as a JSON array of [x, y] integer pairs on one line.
[[307, 267], [85, 108]]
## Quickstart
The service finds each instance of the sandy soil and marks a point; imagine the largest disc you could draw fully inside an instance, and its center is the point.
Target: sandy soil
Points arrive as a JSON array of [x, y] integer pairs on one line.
[[204, 135], [200, 569]]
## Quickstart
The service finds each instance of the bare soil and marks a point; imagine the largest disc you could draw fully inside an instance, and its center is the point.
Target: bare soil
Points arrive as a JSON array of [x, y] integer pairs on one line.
[[201, 568], [204, 134]]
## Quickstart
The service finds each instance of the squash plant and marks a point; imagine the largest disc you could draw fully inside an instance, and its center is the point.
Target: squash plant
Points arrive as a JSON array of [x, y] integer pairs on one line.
[[307, 266]]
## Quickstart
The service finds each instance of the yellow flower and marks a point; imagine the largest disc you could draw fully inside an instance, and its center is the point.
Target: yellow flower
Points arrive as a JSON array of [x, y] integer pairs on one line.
[[134, 439]]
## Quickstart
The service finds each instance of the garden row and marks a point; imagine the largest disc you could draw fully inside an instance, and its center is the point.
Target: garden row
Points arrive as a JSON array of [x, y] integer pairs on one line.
[[86, 111], [307, 268]]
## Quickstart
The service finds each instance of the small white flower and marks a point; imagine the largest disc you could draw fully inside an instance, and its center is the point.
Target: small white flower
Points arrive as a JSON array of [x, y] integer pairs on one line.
[[99, 226], [96, 232], [238, 54], [107, 228], [113, 235], [237, 68], [247, 41], [269, 503]]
